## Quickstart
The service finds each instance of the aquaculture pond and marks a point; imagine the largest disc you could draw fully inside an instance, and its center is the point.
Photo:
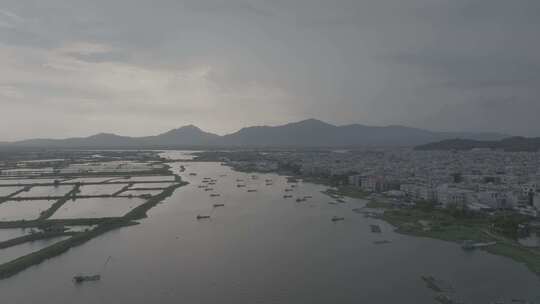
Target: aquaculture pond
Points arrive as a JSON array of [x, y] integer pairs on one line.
[[96, 207], [23, 210]]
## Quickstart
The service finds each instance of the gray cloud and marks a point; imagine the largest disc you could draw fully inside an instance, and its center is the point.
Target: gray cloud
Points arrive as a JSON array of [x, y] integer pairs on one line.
[[224, 64]]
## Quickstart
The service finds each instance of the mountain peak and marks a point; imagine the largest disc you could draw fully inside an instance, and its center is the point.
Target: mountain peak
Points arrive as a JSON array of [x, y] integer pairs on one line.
[[311, 122], [189, 127], [104, 135]]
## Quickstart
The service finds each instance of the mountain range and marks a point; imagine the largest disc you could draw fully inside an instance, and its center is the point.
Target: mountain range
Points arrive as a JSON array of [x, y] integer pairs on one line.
[[306, 133]]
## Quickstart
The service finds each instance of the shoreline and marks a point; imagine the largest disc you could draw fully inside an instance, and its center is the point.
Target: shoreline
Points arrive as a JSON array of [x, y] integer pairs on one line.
[[455, 230], [104, 225]]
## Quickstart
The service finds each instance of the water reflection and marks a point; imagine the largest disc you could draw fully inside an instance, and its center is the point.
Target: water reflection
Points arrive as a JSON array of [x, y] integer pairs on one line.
[[263, 248]]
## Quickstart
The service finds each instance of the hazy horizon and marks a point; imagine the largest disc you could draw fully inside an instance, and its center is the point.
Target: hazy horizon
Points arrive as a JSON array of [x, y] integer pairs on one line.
[[134, 68], [234, 131]]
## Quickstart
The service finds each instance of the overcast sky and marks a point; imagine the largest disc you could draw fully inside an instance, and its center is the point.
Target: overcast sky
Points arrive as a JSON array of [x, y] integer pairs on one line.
[[74, 68]]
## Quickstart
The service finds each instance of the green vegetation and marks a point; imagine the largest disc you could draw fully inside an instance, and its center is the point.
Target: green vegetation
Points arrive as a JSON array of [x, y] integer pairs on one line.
[[454, 225], [377, 205], [33, 237], [445, 225]]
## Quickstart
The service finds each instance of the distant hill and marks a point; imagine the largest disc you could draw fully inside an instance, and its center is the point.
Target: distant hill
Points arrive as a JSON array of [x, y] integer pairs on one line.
[[306, 133], [187, 135], [510, 144], [316, 133]]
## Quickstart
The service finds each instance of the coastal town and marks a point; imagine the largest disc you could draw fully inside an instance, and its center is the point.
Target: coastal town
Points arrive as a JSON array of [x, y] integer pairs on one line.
[[479, 180]]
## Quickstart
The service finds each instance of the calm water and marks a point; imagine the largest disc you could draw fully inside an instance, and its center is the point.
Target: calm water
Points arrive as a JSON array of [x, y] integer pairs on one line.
[[261, 248], [6, 234], [5, 191], [100, 189], [23, 210], [14, 252], [40, 191], [96, 207]]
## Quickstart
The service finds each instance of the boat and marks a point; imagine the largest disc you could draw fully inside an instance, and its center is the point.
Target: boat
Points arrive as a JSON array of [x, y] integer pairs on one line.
[[375, 228], [84, 278], [193, 174], [201, 217], [202, 186], [214, 194], [240, 186], [288, 190], [287, 196], [208, 189], [218, 205], [470, 245], [337, 218], [292, 180], [252, 190], [298, 200]]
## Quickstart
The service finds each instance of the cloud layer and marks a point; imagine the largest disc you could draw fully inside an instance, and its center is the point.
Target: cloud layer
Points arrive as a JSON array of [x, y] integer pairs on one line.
[[141, 67]]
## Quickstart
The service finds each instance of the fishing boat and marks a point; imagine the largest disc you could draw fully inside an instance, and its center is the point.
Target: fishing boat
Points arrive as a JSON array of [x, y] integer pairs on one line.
[[79, 279], [201, 217], [470, 245], [193, 174], [218, 205], [337, 218], [252, 190], [85, 278], [375, 228]]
